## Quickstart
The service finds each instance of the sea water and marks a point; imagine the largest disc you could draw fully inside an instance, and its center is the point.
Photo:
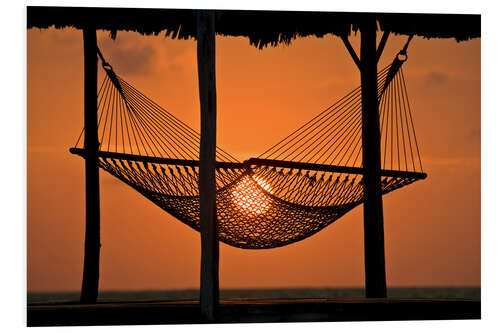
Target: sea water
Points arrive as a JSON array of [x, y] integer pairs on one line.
[[284, 293]]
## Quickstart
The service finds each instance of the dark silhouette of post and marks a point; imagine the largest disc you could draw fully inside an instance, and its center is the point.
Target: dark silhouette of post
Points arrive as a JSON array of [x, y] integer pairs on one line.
[[375, 277], [209, 279], [90, 281]]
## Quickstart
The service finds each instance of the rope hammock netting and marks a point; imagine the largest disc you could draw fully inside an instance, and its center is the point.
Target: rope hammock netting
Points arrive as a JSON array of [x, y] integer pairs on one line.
[[294, 189]]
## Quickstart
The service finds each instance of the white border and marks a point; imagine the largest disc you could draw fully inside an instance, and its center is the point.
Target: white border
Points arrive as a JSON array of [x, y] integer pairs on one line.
[[13, 139]]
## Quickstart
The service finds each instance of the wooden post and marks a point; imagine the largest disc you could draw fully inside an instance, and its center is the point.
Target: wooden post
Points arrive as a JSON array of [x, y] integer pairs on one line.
[[209, 279], [90, 283], [375, 277]]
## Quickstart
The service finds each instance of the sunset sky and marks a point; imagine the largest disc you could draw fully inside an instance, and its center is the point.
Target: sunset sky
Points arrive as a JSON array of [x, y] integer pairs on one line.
[[432, 227]]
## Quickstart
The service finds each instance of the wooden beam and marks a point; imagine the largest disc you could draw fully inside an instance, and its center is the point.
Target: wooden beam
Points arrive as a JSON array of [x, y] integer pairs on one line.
[[90, 281], [375, 276], [405, 48], [351, 51], [209, 279], [381, 45]]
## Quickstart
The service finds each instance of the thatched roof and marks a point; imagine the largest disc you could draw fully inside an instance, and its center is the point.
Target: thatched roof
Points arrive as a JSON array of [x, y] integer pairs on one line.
[[263, 28]]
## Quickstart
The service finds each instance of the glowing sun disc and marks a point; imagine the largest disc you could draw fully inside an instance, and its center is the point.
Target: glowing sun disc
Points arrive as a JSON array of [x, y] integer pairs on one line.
[[250, 196]]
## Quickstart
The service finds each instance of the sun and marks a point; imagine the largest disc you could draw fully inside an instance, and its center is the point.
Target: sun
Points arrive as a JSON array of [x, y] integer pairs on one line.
[[248, 194]]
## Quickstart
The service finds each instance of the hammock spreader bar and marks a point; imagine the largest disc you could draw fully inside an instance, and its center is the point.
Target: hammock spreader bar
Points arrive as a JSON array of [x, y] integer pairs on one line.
[[252, 162]]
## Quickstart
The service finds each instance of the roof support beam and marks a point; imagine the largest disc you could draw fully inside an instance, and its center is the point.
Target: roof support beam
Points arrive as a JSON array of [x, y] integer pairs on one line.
[[381, 45], [209, 279], [351, 51], [90, 282], [375, 276]]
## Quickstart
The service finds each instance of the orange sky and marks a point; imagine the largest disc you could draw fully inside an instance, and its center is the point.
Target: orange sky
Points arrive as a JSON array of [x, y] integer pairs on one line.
[[432, 227]]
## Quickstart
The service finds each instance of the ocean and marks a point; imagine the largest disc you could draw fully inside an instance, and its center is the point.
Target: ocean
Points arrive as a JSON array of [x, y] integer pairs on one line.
[[282, 293]]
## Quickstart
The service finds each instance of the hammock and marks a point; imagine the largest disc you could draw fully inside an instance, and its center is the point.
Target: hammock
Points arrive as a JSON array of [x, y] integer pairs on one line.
[[296, 188]]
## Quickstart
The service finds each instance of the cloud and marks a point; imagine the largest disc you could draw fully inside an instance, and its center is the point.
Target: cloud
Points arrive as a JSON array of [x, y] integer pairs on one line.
[[132, 54], [436, 77], [45, 149], [461, 162], [69, 37], [475, 134], [133, 61], [129, 55], [108, 180]]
